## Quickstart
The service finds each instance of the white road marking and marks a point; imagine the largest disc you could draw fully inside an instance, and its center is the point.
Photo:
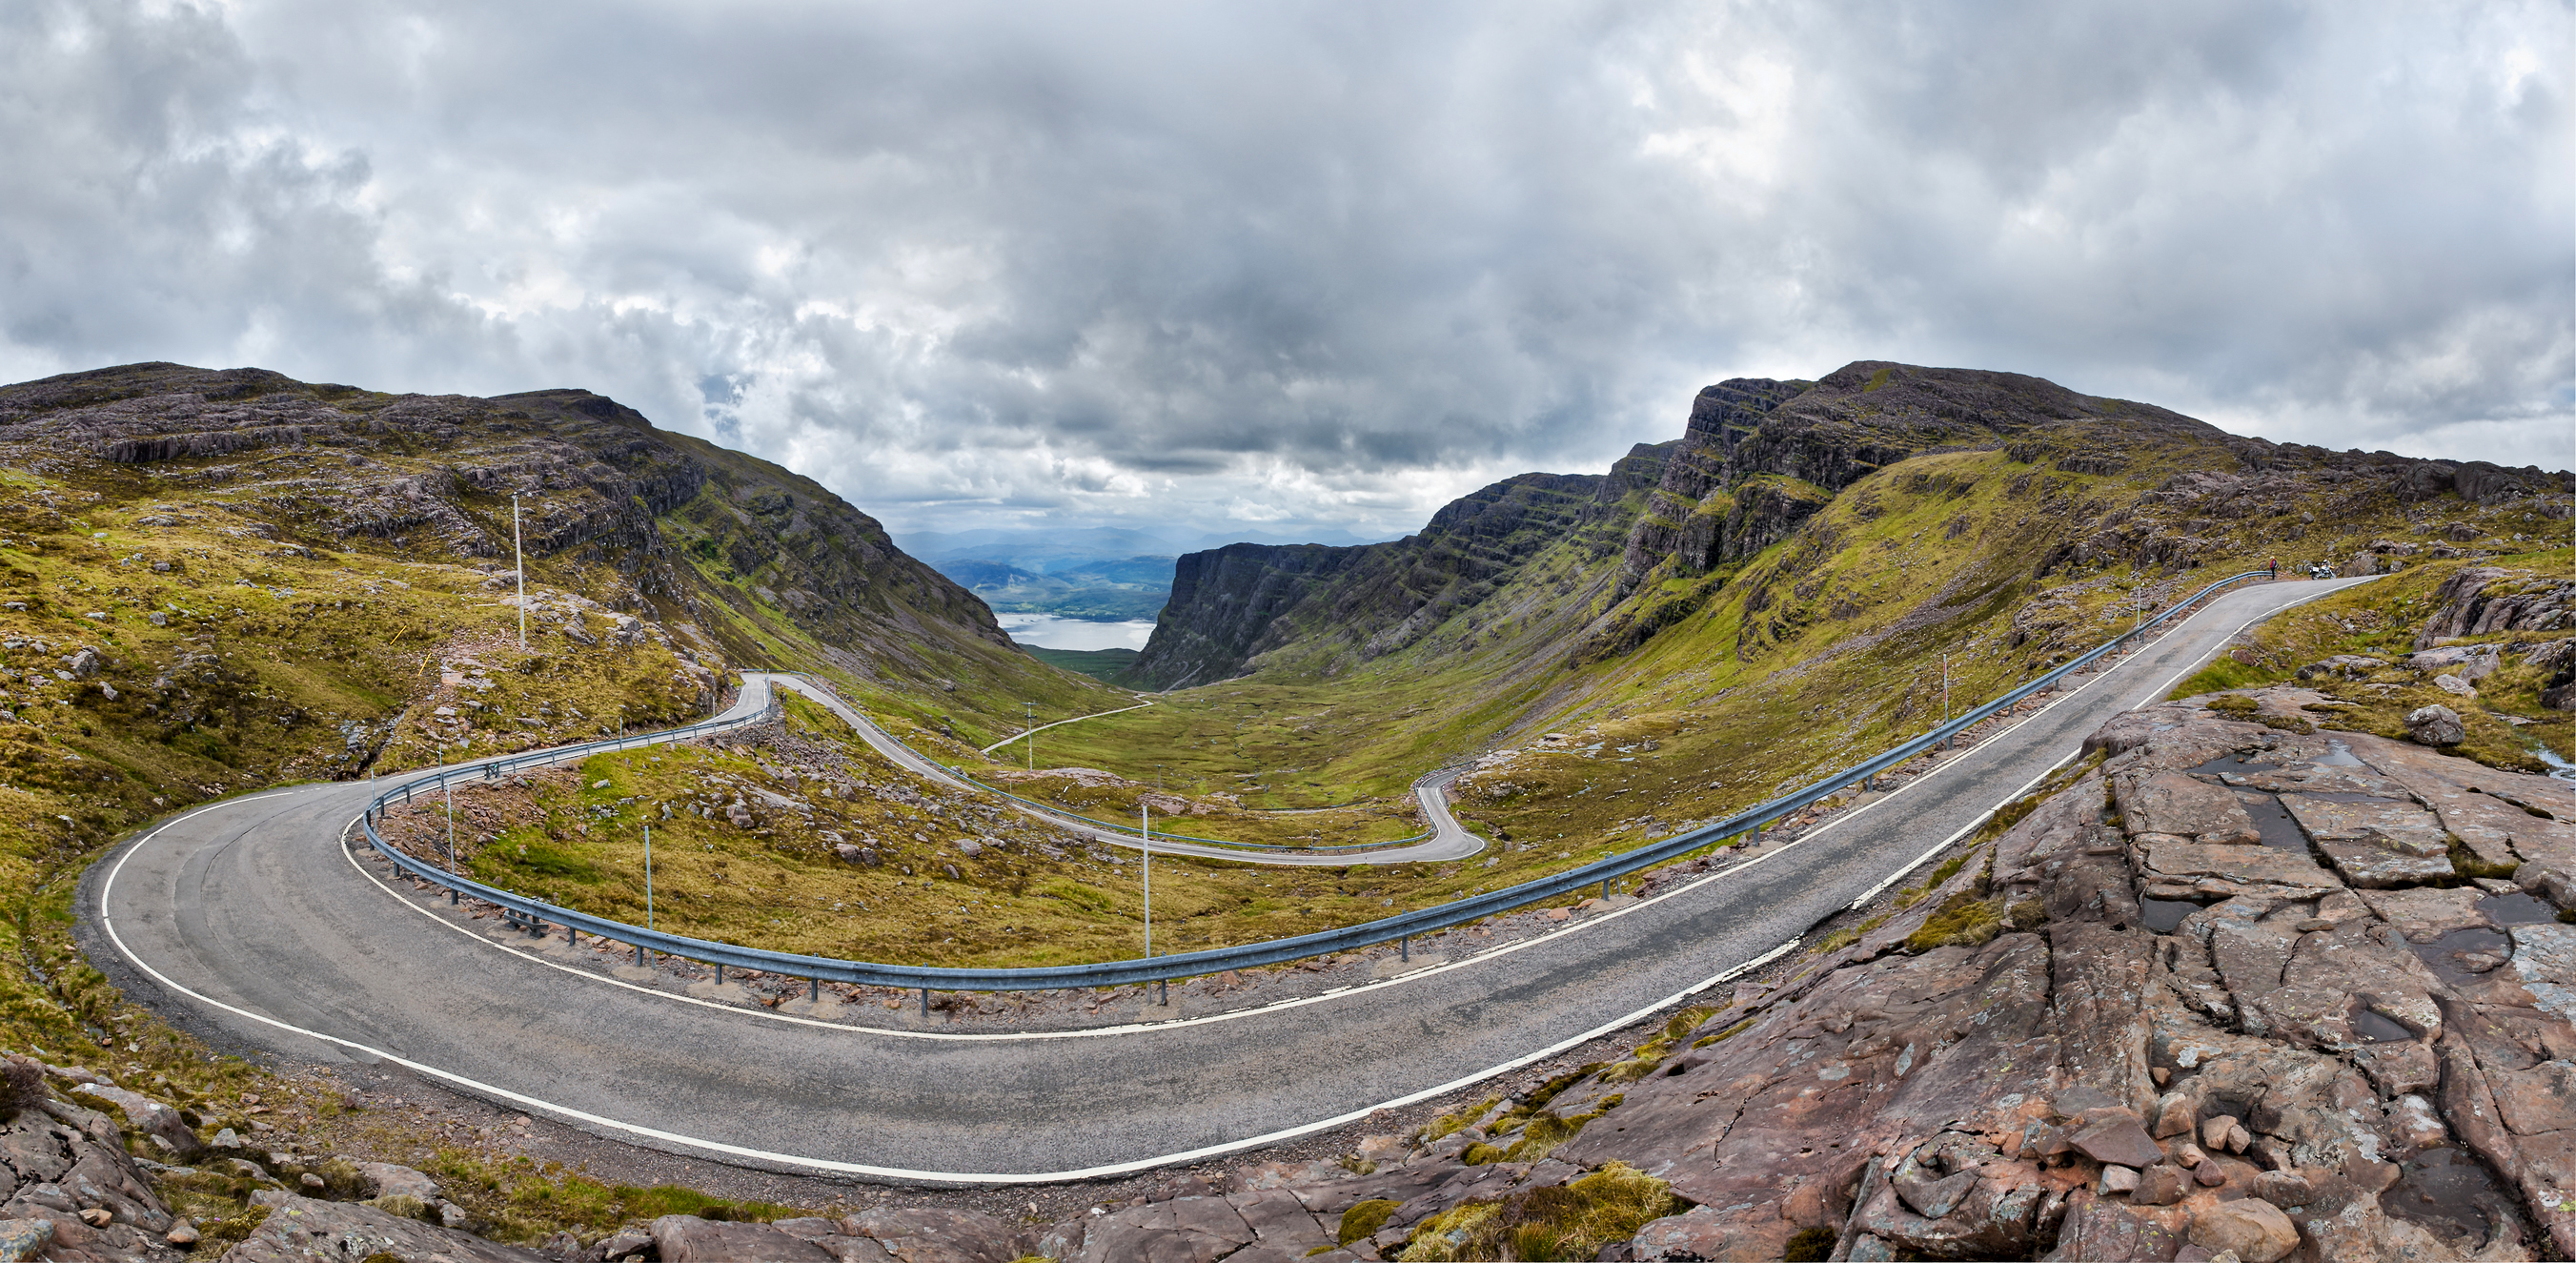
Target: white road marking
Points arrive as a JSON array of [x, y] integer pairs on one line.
[[974, 1178], [1027, 733]]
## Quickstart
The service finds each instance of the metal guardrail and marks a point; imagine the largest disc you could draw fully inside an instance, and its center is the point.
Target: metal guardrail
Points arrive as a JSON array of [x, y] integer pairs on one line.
[[1402, 926]]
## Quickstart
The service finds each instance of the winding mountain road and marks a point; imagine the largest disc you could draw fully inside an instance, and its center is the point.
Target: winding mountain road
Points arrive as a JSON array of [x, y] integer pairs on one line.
[[1448, 841], [250, 920]]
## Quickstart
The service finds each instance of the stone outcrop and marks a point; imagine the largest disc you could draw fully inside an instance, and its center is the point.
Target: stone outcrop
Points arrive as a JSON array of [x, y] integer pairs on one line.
[[2161, 1017], [305, 1230], [911, 1236], [66, 1180], [1231, 605], [2486, 600]]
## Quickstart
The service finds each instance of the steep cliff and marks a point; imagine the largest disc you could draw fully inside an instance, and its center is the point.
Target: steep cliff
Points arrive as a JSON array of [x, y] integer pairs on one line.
[[1339, 606]]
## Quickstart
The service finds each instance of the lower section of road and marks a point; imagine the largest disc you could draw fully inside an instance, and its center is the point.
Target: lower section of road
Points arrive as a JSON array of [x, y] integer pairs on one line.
[[1448, 840], [249, 917]]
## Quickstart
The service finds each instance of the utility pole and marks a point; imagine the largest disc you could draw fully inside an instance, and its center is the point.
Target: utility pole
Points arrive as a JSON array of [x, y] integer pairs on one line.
[[519, 559], [1029, 731], [648, 877], [1145, 822], [1945, 688]]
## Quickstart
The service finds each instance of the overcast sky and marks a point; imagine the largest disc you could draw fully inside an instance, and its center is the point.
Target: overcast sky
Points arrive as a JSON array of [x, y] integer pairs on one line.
[[1300, 267]]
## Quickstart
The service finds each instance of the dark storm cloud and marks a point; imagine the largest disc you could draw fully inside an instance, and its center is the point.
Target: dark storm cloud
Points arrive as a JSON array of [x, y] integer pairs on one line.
[[1302, 263]]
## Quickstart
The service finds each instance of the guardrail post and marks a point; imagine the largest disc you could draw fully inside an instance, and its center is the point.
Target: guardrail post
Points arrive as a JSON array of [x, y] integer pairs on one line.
[[1405, 946], [1163, 992], [814, 990], [719, 973], [925, 1004]]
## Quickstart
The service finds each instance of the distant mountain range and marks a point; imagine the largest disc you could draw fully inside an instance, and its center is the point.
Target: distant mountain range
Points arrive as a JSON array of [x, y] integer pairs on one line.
[[1107, 573]]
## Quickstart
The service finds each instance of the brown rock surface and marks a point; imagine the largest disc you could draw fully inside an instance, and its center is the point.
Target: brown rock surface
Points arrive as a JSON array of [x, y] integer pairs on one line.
[[2179, 804], [2255, 1229], [2256, 865], [302, 1230], [2318, 1058]]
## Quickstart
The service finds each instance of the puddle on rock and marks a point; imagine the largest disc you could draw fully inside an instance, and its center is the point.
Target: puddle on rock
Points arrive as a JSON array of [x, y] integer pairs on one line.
[[2377, 1028], [2452, 956], [2236, 763], [2448, 1192], [2164, 916], [2518, 909], [2273, 821], [2337, 755]]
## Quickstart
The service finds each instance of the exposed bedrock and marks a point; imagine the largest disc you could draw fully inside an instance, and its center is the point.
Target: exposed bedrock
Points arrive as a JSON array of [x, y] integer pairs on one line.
[[2226, 991]]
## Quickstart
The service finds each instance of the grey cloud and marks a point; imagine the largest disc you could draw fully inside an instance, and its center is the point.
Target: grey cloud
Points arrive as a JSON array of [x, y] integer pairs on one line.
[[1335, 263]]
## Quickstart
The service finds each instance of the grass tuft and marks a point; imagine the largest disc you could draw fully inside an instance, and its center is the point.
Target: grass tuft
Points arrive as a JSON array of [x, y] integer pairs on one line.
[[1962, 920], [1363, 1219], [1568, 1221]]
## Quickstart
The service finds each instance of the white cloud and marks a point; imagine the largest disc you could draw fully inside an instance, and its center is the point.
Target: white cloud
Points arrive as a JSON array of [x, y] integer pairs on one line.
[[1325, 266]]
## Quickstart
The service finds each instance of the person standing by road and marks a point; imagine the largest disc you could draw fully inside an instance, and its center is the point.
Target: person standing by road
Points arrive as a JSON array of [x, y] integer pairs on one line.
[[2276, 568]]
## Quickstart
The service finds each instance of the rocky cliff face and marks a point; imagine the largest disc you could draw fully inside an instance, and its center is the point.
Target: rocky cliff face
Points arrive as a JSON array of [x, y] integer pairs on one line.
[[2231, 990], [1760, 455], [1232, 604]]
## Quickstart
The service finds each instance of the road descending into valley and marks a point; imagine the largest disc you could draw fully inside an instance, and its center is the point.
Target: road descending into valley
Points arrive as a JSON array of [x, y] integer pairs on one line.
[[1448, 841], [250, 922]]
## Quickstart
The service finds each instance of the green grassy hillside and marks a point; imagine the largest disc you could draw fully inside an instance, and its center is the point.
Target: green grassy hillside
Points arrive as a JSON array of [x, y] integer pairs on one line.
[[214, 581]]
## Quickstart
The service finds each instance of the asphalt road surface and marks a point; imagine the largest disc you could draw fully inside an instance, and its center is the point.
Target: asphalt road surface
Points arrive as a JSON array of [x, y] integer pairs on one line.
[[249, 916]]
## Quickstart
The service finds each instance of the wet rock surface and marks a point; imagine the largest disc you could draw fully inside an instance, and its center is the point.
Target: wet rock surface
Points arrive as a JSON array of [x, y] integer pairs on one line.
[[2300, 1055]]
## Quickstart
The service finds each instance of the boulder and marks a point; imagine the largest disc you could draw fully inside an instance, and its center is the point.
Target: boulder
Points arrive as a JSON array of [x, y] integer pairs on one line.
[[626, 1243], [2283, 1188], [2255, 1229], [2118, 1140], [943, 1236], [689, 1239], [1184, 1228], [2161, 1185], [2347, 666], [2435, 725], [152, 1118], [386, 1179], [2469, 662]]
